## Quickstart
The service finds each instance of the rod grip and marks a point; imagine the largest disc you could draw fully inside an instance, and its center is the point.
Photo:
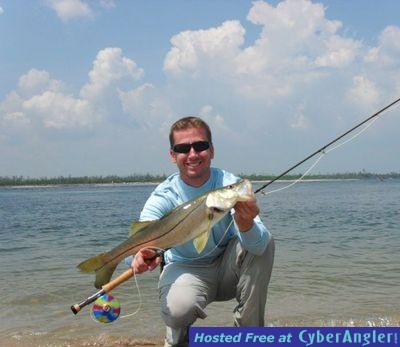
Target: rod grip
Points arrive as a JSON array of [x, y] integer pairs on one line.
[[118, 280]]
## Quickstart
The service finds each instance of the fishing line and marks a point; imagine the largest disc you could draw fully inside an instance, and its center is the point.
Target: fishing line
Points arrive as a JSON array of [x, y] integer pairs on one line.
[[297, 180], [322, 154], [139, 295], [323, 149], [215, 247], [138, 289]]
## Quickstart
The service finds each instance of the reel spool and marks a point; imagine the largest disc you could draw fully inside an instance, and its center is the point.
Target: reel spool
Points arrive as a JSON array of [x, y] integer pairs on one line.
[[106, 309]]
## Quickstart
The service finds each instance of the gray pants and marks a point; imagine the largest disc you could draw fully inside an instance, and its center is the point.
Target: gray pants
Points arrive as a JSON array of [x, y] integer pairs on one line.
[[185, 290]]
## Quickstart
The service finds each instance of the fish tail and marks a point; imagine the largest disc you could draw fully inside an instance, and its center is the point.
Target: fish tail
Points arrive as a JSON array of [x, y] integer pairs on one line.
[[102, 265]]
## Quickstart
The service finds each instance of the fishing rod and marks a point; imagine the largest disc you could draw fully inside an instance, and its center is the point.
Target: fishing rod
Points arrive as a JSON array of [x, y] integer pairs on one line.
[[322, 149], [106, 308]]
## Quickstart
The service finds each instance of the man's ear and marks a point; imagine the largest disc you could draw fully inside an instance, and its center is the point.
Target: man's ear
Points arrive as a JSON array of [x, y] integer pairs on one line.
[[172, 155]]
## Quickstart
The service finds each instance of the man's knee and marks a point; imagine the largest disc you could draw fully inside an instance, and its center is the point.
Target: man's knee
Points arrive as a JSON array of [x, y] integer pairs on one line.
[[179, 311], [260, 265]]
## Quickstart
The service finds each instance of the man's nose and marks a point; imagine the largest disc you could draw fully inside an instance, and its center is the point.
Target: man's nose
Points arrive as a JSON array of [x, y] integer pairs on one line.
[[192, 152]]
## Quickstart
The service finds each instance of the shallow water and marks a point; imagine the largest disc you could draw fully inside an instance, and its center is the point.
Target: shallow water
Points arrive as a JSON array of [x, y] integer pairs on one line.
[[336, 264]]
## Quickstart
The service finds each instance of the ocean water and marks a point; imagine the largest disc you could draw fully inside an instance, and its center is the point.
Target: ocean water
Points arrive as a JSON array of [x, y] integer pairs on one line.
[[336, 264]]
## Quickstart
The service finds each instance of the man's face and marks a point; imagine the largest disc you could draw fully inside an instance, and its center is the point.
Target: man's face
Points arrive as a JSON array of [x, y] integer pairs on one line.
[[194, 167]]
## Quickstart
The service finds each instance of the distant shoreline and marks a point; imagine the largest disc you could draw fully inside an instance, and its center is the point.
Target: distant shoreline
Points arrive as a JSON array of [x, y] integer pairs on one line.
[[81, 185], [148, 179], [38, 186]]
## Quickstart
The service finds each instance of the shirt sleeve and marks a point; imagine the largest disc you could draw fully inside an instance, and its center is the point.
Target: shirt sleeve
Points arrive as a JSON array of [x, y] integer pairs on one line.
[[156, 206], [256, 239], [161, 201]]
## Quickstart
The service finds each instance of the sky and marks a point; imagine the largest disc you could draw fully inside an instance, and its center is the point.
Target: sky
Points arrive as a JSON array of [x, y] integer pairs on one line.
[[92, 87]]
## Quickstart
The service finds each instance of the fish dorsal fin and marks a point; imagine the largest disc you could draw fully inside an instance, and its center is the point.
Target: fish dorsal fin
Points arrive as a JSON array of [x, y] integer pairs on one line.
[[138, 226], [200, 241]]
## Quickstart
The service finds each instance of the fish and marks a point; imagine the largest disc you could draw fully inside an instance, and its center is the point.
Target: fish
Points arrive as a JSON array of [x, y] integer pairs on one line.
[[190, 221]]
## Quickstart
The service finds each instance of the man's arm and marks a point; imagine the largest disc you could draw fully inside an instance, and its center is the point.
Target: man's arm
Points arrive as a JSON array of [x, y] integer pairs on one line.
[[245, 212], [253, 234]]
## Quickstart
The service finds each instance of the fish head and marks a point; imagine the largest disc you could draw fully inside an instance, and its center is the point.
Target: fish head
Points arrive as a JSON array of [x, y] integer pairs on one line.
[[221, 200]]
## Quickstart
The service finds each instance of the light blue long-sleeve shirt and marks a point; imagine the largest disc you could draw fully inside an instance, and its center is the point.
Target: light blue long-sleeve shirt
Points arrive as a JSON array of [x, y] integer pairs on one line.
[[173, 192]]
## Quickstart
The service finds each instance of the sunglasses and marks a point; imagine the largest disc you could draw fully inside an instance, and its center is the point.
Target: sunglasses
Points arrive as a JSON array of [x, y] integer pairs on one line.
[[198, 146]]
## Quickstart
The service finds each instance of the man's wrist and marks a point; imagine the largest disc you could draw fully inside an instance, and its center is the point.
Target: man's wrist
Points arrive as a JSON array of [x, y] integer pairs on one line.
[[244, 225]]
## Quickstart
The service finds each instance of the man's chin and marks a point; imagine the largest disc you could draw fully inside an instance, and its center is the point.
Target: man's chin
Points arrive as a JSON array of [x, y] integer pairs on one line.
[[202, 175]]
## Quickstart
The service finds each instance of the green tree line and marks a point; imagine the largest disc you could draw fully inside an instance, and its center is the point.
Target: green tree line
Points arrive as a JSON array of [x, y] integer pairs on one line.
[[149, 178], [62, 180]]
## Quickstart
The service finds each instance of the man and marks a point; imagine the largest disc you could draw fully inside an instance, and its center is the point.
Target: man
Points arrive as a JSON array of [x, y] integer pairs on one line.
[[236, 263]]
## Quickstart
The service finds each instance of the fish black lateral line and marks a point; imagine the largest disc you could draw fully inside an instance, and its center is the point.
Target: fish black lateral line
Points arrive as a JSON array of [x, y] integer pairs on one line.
[[198, 216], [324, 148]]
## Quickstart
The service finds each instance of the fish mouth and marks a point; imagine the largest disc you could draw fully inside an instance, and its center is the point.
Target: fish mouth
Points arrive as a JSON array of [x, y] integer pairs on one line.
[[246, 192], [218, 209]]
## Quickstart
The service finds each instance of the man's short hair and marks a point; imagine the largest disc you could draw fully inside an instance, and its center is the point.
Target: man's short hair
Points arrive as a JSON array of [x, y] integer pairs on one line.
[[187, 123]]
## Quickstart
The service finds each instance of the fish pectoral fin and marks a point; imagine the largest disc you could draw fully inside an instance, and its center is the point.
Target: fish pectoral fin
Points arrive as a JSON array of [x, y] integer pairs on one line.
[[103, 275], [138, 226], [200, 241], [93, 263]]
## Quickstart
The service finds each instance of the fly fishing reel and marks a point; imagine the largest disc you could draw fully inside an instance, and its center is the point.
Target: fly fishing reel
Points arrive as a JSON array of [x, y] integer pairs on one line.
[[106, 309]]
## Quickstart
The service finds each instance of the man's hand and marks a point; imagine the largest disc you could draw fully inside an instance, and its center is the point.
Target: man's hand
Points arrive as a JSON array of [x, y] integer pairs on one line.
[[147, 259], [245, 212]]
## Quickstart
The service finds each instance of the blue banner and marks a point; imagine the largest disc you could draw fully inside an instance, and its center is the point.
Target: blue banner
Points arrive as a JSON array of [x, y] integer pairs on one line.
[[294, 336]]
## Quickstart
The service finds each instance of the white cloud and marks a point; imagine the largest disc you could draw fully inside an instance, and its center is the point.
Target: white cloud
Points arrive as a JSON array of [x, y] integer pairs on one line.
[[294, 34], [70, 9], [61, 111], [109, 66], [297, 18], [193, 50], [146, 106], [340, 52], [207, 112], [1, 10], [133, 100], [17, 119], [41, 100], [295, 47], [300, 121], [364, 93], [12, 115], [387, 52], [107, 3], [36, 82]]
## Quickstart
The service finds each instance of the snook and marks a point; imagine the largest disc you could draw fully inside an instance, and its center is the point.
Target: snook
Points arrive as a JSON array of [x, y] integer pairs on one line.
[[192, 220]]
